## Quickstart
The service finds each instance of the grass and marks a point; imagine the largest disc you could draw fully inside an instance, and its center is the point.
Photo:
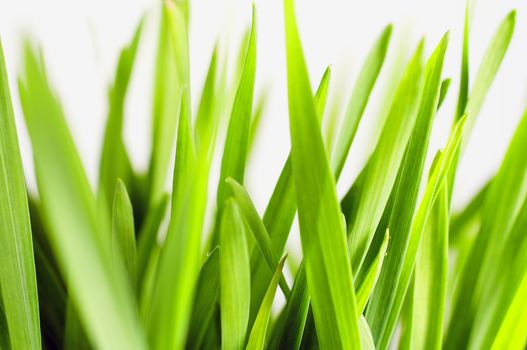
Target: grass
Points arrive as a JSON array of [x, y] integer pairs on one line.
[[128, 265]]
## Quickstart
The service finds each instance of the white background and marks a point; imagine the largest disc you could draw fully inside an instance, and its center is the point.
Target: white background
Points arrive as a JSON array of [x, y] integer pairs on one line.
[[81, 41]]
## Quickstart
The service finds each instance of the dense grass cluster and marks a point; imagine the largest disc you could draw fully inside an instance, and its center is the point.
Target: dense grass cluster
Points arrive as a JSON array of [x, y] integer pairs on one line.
[[129, 266]]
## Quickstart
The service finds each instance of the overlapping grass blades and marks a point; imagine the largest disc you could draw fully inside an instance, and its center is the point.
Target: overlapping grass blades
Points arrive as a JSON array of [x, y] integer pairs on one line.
[[114, 270]]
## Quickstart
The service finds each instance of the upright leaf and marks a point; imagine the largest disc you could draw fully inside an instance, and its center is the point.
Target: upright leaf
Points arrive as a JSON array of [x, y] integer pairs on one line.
[[430, 277], [359, 99], [323, 237], [79, 238], [17, 265], [386, 158], [123, 231], [259, 330], [235, 277]]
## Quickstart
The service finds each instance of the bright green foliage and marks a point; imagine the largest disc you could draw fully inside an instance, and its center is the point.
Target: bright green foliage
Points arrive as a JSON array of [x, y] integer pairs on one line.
[[17, 267], [323, 237], [135, 264]]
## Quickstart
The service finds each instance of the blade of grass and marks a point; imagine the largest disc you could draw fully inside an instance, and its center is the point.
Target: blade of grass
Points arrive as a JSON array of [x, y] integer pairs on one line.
[[366, 338], [235, 150], [399, 210], [502, 204], [445, 85], [386, 159], [257, 227], [289, 328], [115, 162], [430, 278], [259, 330], [329, 276], [256, 120], [280, 212], [205, 298], [234, 278], [365, 289], [123, 232], [443, 162], [207, 103], [79, 239], [164, 112], [147, 237], [359, 99], [17, 265]]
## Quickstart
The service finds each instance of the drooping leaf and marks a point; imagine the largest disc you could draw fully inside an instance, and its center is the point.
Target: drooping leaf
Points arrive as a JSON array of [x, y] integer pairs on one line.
[[257, 337], [17, 266], [79, 238], [329, 276], [235, 277]]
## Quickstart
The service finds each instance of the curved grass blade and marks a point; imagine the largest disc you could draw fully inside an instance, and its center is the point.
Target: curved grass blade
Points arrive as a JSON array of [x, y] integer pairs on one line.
[[430, 278], [115, 162], [81, 240], [147, 237], [235, 277], [372, 275], [288, 330], [235, 150], [165, 108], [399, 210], [280, 212], [17, 266], [257, 228], [323, 237], [205, 298], [359, 99], [259, 330], [445, 85], [443, 162], [386, 159], [123, 232], [503, 285], [366, 338], [502, 204], [207, 103]]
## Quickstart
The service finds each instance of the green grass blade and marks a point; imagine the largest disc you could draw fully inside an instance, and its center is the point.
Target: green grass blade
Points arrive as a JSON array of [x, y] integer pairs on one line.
[[386, 159], [399, 210], [257, 228], [445, 85], [372, 275], [259, 330], [323, 238], [256, 120], [123, 231], [465, 72], [502, 204], [359, 99], [17, 265], [502, 287], [235, 150], [430, 277], [115, 162], [443, 162], [80, 239], [207, 103], [207, 292], [288, 330], [165, 108], [489, 68], [366, 338], [147, 237], [280, 212], [235, 277]]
